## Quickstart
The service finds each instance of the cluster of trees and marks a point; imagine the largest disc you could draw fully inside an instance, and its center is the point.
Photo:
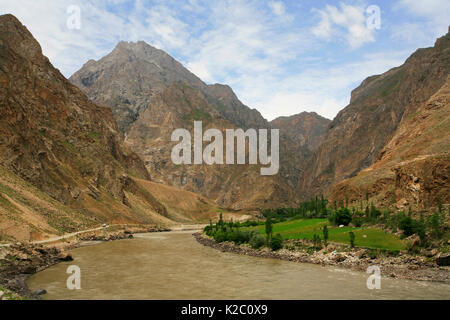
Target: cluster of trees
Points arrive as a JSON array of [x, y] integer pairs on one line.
[[427, 229], [232, 231], [315, 208], [431, 228]]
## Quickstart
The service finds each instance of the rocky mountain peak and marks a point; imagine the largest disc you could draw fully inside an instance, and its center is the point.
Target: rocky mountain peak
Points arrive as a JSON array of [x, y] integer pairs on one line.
[[306, 128], [15, 36]]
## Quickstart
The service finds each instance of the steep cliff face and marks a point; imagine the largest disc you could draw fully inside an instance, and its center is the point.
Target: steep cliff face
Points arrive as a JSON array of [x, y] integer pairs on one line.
[[378, 107], [173, 98], [412, 169], [50, 128], [235, 186], [64, 166], [308, 129]]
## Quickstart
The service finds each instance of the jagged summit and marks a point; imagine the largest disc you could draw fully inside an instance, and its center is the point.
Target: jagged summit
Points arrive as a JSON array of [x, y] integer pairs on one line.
[[306, 128], [128, 78], [15, 36]]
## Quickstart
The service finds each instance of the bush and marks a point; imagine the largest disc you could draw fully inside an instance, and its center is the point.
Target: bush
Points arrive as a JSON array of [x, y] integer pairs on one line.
[[220, 236], [276, 242], [342, 216], [257, 241], [408, 225], [357, 222], [352, 239]]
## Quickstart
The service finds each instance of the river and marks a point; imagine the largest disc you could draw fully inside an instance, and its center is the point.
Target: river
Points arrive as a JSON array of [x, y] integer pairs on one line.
[[174, 266]]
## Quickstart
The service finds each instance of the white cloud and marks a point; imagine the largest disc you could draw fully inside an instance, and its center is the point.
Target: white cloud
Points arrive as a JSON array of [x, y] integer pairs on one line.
[[348, 22], [324, 90], [277, 7], [435, 12], [271, 61], [200, 70]]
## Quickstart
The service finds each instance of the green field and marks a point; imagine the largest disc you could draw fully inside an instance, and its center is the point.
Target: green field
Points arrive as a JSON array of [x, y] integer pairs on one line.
[[306, 228]]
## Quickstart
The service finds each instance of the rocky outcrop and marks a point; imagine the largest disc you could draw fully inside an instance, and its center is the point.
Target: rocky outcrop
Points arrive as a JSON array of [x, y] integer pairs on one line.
[[63, 164], [20, 261], [413, 168], [377, 122], [308, 129], [178, 107], [151, 95], [129, 77]]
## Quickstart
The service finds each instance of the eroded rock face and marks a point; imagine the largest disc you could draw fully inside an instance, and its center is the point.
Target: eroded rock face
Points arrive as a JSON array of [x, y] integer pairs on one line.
[[51, 133], [412, 169], [64, 166], [234, 187], [306, 128], [360, 134], [162, 96]]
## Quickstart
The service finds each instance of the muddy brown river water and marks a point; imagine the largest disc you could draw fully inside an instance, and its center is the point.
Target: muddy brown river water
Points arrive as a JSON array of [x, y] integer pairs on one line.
[[174, 266]]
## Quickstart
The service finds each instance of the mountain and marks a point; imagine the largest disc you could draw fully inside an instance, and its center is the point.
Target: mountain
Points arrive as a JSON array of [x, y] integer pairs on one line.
[[127, 79], [64, 166], [151, 95], [393, 138], [228, 185], [413, 169], [306, 128]]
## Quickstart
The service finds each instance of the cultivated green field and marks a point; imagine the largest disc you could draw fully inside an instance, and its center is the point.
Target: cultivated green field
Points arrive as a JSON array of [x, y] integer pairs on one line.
[[306, 228]]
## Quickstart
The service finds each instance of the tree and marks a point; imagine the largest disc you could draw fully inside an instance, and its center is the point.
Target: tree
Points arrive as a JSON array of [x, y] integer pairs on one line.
[[277, 242], [316, 240], [343, 216], [408, 225], [325, 235], [352, 239], [436, 224], [269, 228]]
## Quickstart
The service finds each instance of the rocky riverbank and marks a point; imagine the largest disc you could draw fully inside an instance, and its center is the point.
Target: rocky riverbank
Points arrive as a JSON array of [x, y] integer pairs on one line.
[[403, 266], [20, 260]]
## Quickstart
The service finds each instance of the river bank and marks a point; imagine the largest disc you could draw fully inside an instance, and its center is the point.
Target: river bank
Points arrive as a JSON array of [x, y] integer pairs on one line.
[[404, 266], [18, 261]]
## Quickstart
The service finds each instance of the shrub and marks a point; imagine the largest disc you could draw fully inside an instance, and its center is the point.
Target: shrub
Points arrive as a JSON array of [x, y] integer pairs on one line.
[[325, 234], [352, 239], [436, 222], [257, 241], [276, 243], [408, 225], [220, 236], [343, 216], [357, 222], [269, 228]]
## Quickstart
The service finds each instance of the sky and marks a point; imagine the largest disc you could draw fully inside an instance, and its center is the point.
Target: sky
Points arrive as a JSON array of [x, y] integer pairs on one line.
[[280, 57]]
